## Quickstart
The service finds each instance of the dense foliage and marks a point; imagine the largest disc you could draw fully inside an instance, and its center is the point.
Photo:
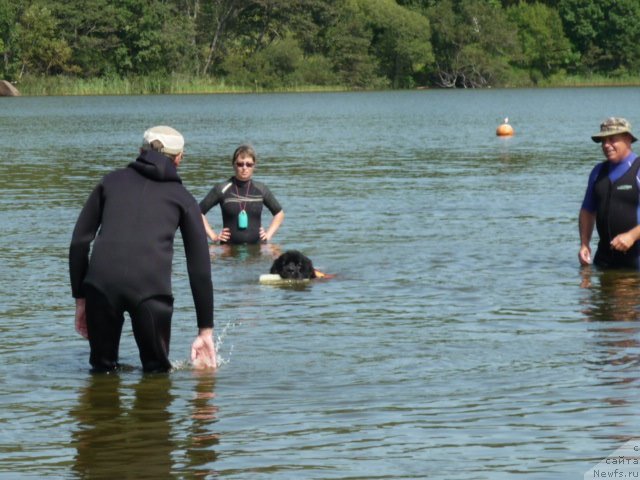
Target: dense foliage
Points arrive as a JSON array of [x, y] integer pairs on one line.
[[352, 43]]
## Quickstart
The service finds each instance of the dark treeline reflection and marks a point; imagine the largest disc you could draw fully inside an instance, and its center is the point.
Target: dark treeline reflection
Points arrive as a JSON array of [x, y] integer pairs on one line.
[[131, 431], [614, 295], [614, 303]]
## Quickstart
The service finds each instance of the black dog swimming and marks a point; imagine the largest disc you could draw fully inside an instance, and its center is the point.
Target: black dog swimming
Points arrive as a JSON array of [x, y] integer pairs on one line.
[[293, 265]]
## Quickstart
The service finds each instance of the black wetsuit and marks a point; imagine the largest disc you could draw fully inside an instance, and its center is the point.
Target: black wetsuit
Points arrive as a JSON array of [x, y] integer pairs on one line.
[[617, 212], [235, 195], [137, 211]]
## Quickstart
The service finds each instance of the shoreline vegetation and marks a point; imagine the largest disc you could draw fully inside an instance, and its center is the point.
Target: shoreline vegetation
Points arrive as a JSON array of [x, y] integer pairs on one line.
[[183, 85], [102, 47], [150, 85]]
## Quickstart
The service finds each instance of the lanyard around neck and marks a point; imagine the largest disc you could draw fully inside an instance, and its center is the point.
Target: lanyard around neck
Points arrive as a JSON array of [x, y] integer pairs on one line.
[[243, 206]]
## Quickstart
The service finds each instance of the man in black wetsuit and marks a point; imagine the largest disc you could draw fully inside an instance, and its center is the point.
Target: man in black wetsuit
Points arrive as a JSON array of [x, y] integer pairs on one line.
[[136, 212], [612, 201]]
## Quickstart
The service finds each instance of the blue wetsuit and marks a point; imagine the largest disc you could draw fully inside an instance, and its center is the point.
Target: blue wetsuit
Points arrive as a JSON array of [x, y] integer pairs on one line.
[[613, 195]]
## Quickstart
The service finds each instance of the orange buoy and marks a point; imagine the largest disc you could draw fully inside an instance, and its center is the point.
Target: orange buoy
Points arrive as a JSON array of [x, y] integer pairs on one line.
[[505, 130]]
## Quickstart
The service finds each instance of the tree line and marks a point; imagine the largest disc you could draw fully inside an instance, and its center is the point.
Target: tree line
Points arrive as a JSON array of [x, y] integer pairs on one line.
[[350, 43]]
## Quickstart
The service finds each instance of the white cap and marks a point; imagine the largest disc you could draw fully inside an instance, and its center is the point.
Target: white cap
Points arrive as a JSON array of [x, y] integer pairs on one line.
[[171, 139]]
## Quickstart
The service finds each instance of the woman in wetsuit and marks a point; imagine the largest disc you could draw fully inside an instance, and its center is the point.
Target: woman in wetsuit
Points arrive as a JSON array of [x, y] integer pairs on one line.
[[241, 199]]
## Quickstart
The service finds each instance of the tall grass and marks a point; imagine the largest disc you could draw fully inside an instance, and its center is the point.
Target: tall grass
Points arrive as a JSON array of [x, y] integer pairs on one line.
[[63, 85], [173, 84], [182, 84], [596, 80]]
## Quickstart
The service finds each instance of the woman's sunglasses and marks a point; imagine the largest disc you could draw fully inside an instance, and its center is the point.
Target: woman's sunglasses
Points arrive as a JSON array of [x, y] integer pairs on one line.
[[245, 164]]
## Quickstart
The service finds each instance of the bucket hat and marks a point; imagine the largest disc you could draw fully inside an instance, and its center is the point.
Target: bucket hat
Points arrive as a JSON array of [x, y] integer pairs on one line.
[[613, 126]]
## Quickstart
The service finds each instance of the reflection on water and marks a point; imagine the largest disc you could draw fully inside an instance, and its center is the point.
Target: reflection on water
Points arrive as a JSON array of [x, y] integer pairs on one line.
[[127, 431], [613, 307], [614, 295], [201, 440], [613, 303], [118, 434], [244, 253]]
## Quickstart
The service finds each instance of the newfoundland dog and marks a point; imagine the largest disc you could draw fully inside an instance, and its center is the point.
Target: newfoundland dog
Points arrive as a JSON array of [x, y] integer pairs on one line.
[[293, 265]]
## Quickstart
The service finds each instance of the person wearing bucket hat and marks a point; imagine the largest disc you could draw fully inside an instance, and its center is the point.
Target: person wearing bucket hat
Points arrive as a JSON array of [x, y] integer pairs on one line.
[[129, 223], [612, 200], [613, 126]]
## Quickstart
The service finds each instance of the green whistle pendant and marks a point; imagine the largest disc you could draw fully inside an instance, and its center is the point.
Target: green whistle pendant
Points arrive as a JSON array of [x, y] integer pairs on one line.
[[243, 220]]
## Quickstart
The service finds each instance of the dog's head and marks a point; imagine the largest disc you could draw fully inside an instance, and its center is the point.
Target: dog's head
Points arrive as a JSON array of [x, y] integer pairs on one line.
[[293, 265]]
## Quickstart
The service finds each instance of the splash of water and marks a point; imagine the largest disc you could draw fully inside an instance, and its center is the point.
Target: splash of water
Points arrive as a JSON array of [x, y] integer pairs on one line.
[[218, 341]]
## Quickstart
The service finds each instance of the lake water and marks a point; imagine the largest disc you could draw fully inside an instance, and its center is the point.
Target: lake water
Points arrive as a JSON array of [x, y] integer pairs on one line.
[[459, 339]]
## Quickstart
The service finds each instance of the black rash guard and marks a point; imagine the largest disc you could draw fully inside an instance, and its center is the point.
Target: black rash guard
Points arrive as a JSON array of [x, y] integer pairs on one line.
[[617, 212], [235, 195], [138, 210]]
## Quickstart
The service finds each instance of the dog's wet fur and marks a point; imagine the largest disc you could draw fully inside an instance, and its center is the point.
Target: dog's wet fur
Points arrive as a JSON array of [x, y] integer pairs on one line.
[[293, 265]]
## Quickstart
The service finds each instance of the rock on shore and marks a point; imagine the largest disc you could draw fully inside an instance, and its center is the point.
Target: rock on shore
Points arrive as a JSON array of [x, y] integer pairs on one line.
[[8, 90]]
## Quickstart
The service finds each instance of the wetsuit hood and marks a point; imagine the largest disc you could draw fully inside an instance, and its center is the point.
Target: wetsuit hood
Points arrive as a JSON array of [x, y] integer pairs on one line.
[[156, 166]]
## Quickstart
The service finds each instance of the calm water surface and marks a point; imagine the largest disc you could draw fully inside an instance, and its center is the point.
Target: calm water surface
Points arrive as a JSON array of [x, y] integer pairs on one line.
[[460, 339]]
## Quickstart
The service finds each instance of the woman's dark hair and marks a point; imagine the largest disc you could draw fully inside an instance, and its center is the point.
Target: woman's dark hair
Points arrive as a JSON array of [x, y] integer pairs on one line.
[[244, 150]]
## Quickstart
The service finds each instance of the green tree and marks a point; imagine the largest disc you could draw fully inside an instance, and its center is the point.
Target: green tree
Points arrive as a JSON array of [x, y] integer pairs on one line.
[[605, 32], [41, 50], [157, 37], [473, 43], [400, 40], [545, 48], [349, 41], [272, 67], [279, 43], [317, 70], [94, 30], [9, 14], [214, 20], [265, 21], [621, 39], [127, 37]]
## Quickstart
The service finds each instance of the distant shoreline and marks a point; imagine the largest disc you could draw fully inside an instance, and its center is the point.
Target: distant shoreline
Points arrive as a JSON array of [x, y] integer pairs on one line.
[[177, 85]]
